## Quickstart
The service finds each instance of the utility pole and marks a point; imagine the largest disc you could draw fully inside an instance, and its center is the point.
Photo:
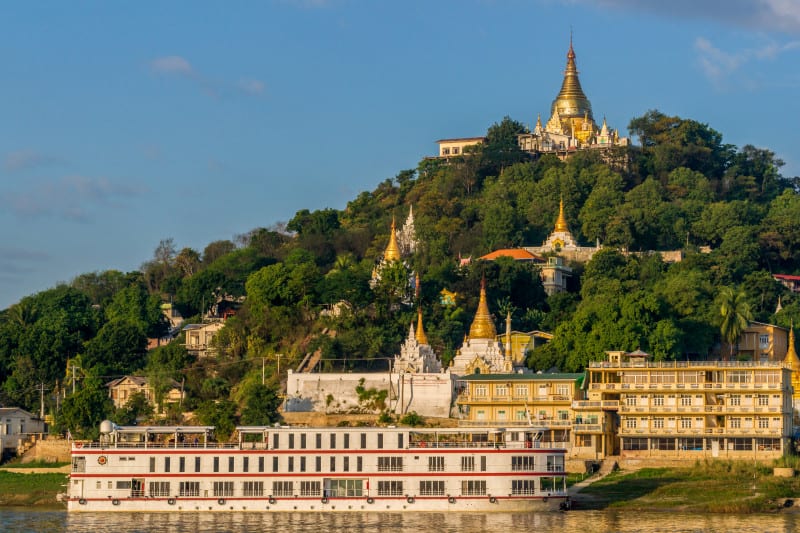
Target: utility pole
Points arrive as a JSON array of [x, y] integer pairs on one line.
[[73, 378], [41, 400], [263, 359], [278, 357]]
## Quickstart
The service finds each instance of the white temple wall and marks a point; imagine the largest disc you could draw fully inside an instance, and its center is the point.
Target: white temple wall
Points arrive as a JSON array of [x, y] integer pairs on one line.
[[426, 394]]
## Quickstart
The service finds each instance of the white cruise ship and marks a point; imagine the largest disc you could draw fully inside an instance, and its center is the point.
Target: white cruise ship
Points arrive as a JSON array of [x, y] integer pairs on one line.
[[158, 468]]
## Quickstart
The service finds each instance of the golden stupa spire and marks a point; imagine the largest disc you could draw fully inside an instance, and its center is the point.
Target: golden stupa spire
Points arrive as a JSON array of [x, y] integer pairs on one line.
[[571, 100], [392, 252], [421, 337], [482, 327], [561, 223], [791, 360]]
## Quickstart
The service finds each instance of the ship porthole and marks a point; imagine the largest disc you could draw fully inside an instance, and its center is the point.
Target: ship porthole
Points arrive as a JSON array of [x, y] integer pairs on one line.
[[370, 500], [492, 499], [221, 501], [410, 499], [171, 501], [272, 501], [102, 460], [82, 501], [451, 500], [115, 501]]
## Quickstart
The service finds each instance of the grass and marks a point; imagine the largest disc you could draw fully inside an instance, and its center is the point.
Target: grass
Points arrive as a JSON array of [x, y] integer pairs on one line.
[[30, 489], [35, 464], [707, 486]]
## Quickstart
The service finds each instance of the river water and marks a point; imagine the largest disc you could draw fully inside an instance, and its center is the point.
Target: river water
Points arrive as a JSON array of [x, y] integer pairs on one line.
[[24, 520]]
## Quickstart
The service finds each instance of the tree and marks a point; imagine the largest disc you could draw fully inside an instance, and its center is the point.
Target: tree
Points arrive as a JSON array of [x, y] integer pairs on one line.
[[119, 348], [260, 405], [82, 412], [736, 315], [137, 407], [221, 414]]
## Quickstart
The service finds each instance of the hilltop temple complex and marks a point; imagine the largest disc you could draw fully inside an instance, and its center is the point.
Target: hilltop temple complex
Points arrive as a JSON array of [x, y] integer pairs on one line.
[[571, 125]]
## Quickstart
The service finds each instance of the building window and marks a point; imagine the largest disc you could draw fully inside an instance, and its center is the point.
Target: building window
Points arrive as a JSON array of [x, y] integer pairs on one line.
[[345, 464], [310, 488], [658, 423], [182, 464], [456, 149], [223, 488], [468, 464], [159, 489], [390, 488], [473, 487], [390, 464], [522, 462], [763, 341], [736, 423], [634, 444], [686, 423], [260, 464], [344, 487], [521, 391], [302, 441], [363, 441], [319, 440], [630, 423], [501, 414], [302, 463], [282, 488], [196, 464], [630, 401], [686, 400], [736, 400], [359, 463], [380, 441], [333, 463], [189, 488], [431, 488], [152, 465], [763, 423], [523, 487], [562, 389], [555, 463], [500, 390], [480, 391], [658, 400], [445, 151], [230, 464], [318, 463], [274, 464], [346, 443], [333, 441], [245, 464], [275, 441], [216, 464], [763, 399], [291, 441], [290, 467], [436, 464], [253, 488]]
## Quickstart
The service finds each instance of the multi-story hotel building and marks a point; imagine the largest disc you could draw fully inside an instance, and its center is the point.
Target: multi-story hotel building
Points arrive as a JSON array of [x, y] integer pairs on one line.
[[680, 409]]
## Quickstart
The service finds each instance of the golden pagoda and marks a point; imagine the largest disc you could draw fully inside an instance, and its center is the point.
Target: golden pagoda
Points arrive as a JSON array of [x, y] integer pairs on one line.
[[421, 337], [482, 327], [792, 362], [571, 111], [392, 252], [561, 222]]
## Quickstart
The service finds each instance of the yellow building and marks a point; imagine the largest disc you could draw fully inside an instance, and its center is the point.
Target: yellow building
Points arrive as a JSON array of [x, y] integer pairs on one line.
[[122, 389], [759, 342], [679, 409], [455, 147], [541, 400]]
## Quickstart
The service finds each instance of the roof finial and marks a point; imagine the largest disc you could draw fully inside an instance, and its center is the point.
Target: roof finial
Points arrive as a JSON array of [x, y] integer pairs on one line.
[[392, 252]]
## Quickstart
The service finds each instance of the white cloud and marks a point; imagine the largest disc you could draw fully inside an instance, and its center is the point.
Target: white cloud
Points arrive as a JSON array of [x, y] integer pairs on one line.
[[719, 65], [71, 197], [171, 65], [250, 86], [25, 159]]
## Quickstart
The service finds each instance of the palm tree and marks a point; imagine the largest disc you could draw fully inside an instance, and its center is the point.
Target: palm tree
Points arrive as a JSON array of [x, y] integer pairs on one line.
[[736, 315]]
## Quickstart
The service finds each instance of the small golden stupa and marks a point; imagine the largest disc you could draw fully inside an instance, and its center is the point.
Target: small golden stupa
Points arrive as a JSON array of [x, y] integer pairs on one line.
[[482, 327]]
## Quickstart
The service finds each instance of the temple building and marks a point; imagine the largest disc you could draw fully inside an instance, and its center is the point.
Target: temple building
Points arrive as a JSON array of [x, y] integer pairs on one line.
[[563, 244], [416, 355], [407, 235], [390, 255], [482, 352]]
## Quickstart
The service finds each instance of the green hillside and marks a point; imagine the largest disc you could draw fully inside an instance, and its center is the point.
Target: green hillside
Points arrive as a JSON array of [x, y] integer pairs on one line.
[[735, 217]]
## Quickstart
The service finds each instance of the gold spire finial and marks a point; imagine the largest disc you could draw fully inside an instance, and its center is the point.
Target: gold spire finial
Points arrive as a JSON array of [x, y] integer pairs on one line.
[[421, 337], [392, 252], [571, 101], [791, 360], [561, 222], [482, 327]]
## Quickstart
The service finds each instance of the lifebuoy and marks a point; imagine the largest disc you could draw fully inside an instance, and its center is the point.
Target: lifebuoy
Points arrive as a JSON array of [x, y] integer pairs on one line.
[[171, 501], [115, 502], [102, 460], [324, 500], [410, 499], [272, 500], [492, 499], [79, 445], [82, 501], [451, 500], [370, 500], [221, 501]]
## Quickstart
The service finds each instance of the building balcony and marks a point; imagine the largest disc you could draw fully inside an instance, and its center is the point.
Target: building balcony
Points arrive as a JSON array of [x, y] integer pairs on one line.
[[593, 405], [732, 387]]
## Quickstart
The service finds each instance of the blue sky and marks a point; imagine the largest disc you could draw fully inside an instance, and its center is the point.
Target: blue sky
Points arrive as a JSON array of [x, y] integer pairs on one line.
[[127, 123]]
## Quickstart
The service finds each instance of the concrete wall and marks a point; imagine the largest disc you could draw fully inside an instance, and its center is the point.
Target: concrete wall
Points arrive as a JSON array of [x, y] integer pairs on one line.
[[426, 394]]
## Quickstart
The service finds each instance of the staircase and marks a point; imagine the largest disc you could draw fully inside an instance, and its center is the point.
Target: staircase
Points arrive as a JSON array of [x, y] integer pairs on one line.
[[608, 465]]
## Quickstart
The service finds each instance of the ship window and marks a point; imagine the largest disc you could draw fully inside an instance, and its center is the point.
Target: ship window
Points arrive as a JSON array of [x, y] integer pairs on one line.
[[245, 464], [333, 441], [436, 464], [390, 464], [333, 463], [275, 441], [282, 488], [182, 464], [196, 464], [230, 464], [291, 465], [431, 488], [253, 488], [345, 464], [319, 440], [291, 441], [159, 489], [303, 463], [390, 488], [473, 487], [523, 487], [363, 440], [303, 441], [555, 463], [318, 465], [468, 464], [380, 441], [123, 485], [98, 485], [310, 488], [359, 463], [152, 464], [79, 464], [274, 464], [110, 484], [223, 488], [400, 440], [483, 463], [166, 464], [522, 462], [216, 464], [346, 443], [189, 488], [260, 464], [344, 487]]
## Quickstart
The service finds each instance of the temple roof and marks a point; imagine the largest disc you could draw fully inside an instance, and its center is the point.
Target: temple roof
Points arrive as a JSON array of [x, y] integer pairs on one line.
[[482, 327], [392, 252], [421, 337], [571, 102], [561, 222], [791, 360], [517, 254]]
